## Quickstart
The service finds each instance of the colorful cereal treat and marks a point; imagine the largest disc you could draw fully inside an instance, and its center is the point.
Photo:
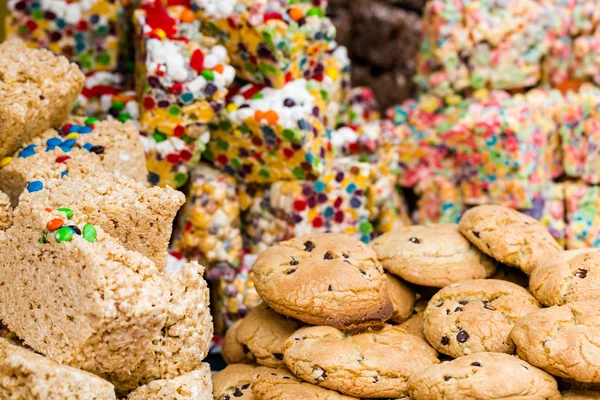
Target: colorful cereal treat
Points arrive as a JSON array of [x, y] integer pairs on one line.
[[472, 45], [334, 79], [549, 208], [387, 206], [268, 135], [439, 201], [361, 108], [86, 32], [77, 149], [583, 218], [209, 226], [37, 90], [357, 140], [270, 42], [182, 80]]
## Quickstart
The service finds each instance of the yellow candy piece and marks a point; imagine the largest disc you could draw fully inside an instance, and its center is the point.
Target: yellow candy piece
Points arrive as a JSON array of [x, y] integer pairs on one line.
[[429, 103], [453, 100], [5, 161], [72, 135]]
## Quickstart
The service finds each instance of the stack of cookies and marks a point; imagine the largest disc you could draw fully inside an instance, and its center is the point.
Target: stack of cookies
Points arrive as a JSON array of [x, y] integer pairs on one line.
[[490, 308]]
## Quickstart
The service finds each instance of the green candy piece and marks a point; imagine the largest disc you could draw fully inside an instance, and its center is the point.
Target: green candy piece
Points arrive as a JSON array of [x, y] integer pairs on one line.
[[208, 75], [64, 234], [118, 105], [315, 11], [90, 121], [89, 233], [68, 212], [174, 110]]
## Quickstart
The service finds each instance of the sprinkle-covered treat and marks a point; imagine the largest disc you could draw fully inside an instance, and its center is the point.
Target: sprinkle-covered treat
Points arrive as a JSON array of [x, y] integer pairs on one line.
[[268, 135], [195, 385], [26, 375], [361, 107], [37, 90], [270, 42], [86, 32], [6, 212], [439, 201], [78, 148], [549, 207], [182, 80], [209, 226], [583, 221]]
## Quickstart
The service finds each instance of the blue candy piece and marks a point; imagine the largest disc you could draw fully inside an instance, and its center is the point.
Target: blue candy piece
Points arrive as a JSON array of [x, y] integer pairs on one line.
[[52, 143], [74, 128], [88, 146], [28, 151], [35, 186], [85, 130], [69, 143], [63, 174]]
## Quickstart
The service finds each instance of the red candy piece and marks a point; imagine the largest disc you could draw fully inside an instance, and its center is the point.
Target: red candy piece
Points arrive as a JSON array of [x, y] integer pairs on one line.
[[177, 88], [82, 26], [252, 91], [173, 158], [185, 3], [179, 131], [197, 61], [185, 155], [222, 159], [99, 90], [62, 159], [65, 129], [272, 15], [149, 103], [288, 153], [31, 25], [158, 18], [299, 205], [317, 222]]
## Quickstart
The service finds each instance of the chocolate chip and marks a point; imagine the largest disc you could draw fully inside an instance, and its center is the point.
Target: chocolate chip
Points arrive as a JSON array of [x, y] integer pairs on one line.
[[376, 379], [309, 246], [286, 377], [75, 229], [97, 149], [345, 255], [347, 262], [330, 288], [238, 393], [476, 364], [462, 337], [246, 386], [278, 356], [445, 340], [458, 309], [290, 271], [294, 261], [463, 302], [476, 234], [447, 311], [414, 240], [487, 306], [227, 397], [441, 303], [363, 272], [245, 349], [581, 273], [328, 256], [447, 378], [525, 367]]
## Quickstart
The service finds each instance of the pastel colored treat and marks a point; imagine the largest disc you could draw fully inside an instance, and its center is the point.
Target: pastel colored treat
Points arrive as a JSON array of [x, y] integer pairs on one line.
[[6, 211], [262, 334], [567, 277], [561, 340], [308, 278], [549, 207], [468, 47], [414, 324], [234, 294], [335, 84], [267, 135], [513, 238], [37, 90], [181, 81], [270, 42], [377, 364], [435, 255], [110, 203], [478, 376], [209, 225], [403, 299], [79, 148], [281, 384], [196, 384], [476, 315], [86, 32], [232, 351], [439, 201], [100, 309], [582, 203], [27, 375]]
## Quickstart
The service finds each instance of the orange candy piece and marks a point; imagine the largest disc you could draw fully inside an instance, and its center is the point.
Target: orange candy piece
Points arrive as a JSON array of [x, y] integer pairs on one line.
[[55, 224], [187, 15], [271, 117], [296, 14], [219, 68], [568, 86], [259, 115]]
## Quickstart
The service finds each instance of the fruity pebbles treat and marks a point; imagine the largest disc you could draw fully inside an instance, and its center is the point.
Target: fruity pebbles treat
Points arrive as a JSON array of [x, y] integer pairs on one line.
[[182, 80], [209, 226], [271, 42], [583, 221], [86, 32], [268, 135], [36, 93]]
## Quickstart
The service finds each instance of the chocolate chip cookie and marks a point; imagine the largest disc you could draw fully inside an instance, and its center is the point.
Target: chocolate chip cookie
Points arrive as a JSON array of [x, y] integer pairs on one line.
[[232, 350], [375, 364], [509, 236], [435, 255], [262, 334], [569, 276], [280, 384], [234, 382], [562, 340], [476, 315], [414, 325], [483, 376], [326, 279], [403, 299]]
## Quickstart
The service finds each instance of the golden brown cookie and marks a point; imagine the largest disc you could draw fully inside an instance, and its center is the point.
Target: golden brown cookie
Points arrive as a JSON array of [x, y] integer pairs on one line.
[[262, 334], [509, 236], [435, 255], [234, 382], [414, 325], [281, 384], [403, 299], [375, 364], [569, 276], [483, 376], [562, 340], [232, 351], [476, 315], [326, 279]]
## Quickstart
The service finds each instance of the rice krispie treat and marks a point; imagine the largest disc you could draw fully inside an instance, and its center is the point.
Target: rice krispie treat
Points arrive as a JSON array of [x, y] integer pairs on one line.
[[6, 211], [27, 375], [37, 90], [80, 147], [196, 385]]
